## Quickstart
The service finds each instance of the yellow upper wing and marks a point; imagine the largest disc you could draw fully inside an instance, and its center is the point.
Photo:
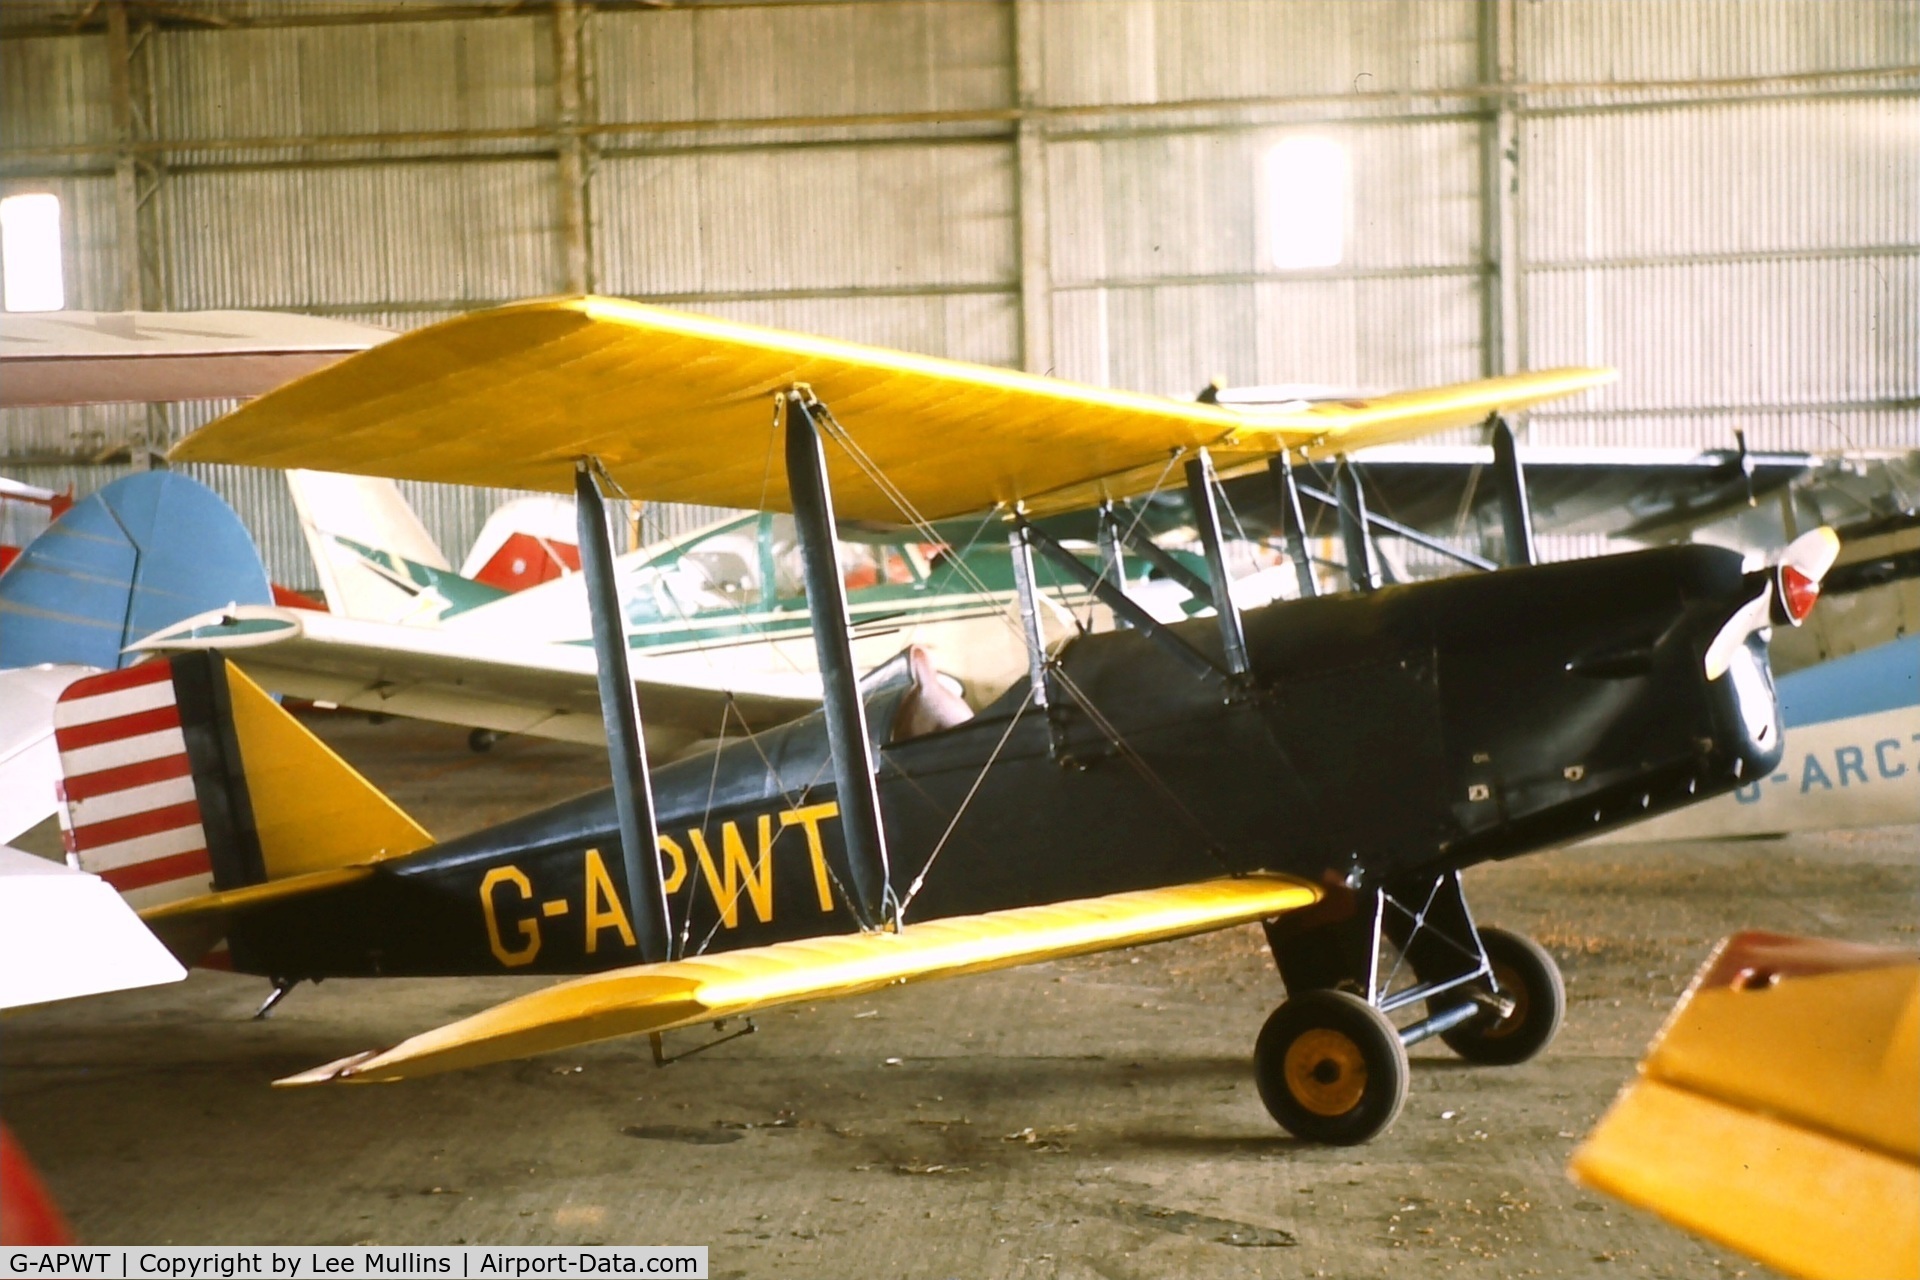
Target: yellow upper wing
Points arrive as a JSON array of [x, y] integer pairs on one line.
[[679, 408], [682, 993]]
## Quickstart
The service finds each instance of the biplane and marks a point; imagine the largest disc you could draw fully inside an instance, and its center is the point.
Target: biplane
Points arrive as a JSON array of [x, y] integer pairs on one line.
[[1326, 766]]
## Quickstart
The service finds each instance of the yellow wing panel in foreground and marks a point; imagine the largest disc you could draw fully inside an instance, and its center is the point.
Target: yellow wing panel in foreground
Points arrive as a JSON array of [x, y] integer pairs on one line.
[[680, 409], [681, 993], [1779, 1110]]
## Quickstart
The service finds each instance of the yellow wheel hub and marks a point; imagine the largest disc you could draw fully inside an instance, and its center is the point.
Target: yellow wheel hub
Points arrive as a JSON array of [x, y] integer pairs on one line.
[[1325, 1072]]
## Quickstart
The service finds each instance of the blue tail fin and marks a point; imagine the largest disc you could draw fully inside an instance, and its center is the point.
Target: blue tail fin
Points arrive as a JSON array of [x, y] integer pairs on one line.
[[143, 553]]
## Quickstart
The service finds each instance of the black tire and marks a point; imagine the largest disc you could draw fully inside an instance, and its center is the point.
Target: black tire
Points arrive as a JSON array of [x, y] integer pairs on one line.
[[1524, 972], [1331, 1068]]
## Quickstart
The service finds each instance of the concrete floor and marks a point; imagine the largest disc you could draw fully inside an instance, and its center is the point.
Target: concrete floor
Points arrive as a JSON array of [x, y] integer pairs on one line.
[[1078, 1119]]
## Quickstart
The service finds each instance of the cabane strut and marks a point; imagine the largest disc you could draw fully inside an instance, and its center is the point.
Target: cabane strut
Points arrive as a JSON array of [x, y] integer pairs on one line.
[[1516, 516], [1295, 521], [1363, 570], [1108, 593], [1205, 502]]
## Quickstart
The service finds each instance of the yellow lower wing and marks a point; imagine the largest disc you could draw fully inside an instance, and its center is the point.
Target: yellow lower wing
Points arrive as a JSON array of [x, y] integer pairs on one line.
[[1779, 1110], [683, 993]]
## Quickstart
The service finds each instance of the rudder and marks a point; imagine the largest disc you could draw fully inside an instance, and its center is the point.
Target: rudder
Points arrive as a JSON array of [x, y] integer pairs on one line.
[[183, 778]]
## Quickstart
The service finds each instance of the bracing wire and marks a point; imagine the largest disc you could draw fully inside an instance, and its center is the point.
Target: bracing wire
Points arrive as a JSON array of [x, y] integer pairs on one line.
[[792, 800], [968, 576], [1106, 728], [729, 708], [920, 880]]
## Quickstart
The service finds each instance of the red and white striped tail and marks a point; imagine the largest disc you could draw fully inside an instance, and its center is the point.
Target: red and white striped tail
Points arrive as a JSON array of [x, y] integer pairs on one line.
[[129, 812]]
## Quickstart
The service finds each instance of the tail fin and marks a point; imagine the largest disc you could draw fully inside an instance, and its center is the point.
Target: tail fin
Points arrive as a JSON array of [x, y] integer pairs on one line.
[[141, 554], [524, 543], [183, 778], [373, 555]]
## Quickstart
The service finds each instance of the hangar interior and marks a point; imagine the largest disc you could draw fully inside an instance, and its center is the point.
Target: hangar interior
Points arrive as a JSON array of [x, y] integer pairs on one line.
[[1720, 200]]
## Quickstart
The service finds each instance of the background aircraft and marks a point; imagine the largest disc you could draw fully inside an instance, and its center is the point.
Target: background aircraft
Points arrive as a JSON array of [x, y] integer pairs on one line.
[[25, 512], [376, 562], [719, 612], [120, 357], [146, 550], [81, 581], [1852, 730]]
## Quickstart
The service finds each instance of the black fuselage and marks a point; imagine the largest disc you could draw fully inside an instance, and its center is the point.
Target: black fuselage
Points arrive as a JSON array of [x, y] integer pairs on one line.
[[1381, 736]]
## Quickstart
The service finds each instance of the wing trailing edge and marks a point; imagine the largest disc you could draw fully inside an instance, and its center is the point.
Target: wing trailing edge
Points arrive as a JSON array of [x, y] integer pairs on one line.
[[683, 993]]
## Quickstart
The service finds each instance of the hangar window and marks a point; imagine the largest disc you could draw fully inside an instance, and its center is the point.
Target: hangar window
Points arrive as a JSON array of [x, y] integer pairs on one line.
[[30, 253], [1306, 185]]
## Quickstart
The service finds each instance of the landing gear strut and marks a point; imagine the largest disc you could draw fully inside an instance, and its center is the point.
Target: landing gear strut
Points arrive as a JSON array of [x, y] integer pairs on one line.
[[1330, 1065]]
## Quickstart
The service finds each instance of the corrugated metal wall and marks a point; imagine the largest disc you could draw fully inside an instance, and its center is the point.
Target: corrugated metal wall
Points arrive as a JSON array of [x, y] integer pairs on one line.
[[1722, 199]]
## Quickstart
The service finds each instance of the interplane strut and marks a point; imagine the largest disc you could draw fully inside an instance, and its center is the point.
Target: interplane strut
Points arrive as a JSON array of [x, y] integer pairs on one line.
[[620, 706], [847, 735]]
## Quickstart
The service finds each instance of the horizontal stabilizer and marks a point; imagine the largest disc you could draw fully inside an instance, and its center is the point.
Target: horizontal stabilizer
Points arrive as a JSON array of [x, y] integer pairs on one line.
[[237, 900], [190, 927], [683, 993], [679, 408]]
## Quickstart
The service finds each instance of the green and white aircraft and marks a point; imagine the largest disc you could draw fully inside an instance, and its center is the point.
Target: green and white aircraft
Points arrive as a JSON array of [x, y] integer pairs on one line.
[[717, 619]]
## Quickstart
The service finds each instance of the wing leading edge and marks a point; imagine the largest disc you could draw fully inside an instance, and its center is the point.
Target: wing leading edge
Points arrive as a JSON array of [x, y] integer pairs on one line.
[[683, 993], [679, 408]]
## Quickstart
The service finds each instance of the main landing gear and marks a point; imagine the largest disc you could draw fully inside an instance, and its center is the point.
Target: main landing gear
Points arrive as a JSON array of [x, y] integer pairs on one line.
[[1330, 1065]]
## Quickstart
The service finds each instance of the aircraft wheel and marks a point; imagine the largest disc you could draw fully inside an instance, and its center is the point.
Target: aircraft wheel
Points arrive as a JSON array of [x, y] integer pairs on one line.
[[482, 740], [1330, 1068], [1528, 976]]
